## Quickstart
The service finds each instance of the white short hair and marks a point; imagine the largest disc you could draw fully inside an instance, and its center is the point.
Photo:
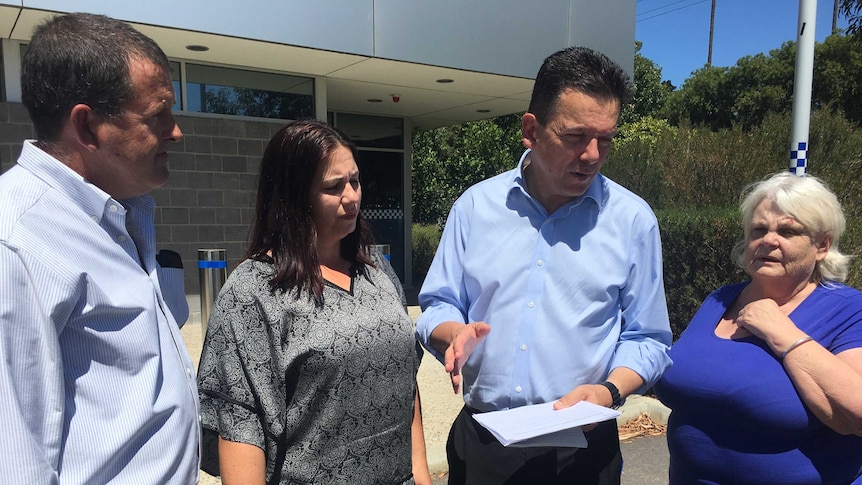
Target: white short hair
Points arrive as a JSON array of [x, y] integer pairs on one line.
[[808, 200]]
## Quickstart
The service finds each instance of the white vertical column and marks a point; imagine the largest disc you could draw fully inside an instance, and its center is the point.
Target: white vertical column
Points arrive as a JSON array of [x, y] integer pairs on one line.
[[802, 87], [407, 183], [12, 69], [320, 98]]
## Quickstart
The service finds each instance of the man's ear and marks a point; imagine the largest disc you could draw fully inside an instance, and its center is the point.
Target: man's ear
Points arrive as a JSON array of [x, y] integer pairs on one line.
[[528, 129], [84, 124]]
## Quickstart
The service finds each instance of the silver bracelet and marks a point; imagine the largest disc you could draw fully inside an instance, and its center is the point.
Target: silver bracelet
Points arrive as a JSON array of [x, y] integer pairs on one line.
[[794, 345]]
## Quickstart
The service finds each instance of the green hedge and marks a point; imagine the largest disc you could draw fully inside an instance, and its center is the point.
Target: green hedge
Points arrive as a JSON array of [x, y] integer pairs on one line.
[[426, 238], [696, 249]]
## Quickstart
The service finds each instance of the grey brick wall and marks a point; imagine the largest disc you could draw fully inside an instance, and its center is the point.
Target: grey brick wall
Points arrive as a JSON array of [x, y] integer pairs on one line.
[[208, 201]]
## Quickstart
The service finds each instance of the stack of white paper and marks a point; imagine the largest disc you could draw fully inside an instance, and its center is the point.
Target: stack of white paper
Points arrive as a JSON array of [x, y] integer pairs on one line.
[[541, 425]]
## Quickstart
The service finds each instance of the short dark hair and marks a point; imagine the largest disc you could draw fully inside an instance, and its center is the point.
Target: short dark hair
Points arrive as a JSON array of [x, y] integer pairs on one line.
[[81, 58], [283, 232], [580, 69]]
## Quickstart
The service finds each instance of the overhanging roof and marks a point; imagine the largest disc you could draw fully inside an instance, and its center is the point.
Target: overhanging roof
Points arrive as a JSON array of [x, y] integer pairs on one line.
[[351, 80]]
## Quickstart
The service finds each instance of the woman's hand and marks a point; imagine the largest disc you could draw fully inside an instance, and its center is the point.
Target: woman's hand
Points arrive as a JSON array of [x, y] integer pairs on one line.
[[827, 383], [765, 320]]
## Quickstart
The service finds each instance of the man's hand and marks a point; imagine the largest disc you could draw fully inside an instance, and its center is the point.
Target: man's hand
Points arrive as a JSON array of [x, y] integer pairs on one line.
[[456, 341], [593, 393], [625, 379]]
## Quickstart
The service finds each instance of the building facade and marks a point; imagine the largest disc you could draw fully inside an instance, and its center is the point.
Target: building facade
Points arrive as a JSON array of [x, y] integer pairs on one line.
[[377, 69]]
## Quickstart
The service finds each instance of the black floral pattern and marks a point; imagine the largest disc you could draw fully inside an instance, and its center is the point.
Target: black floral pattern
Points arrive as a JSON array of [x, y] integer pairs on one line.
[[336, 382]]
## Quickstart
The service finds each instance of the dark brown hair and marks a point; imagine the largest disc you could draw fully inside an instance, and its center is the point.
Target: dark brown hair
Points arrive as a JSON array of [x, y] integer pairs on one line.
[[580, 69], [283, 232], [81, 58]]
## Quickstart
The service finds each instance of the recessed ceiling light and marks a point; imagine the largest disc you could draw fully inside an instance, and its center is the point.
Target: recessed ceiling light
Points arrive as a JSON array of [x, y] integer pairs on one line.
[[197, 48], [374, 100], [483, 111], [445, 81]]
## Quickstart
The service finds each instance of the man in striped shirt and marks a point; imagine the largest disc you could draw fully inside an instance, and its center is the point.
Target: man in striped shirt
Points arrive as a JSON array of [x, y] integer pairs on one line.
[[97, 385]]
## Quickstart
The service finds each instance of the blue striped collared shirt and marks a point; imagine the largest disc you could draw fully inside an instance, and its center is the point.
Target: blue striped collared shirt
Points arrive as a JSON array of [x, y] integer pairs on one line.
[[96, 382]]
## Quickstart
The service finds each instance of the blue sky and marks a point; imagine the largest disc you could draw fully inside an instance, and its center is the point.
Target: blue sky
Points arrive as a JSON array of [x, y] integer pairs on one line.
[[675, 33]]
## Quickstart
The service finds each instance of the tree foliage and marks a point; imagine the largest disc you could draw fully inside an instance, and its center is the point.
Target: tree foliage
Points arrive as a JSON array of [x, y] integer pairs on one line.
[[448, 160], [650, 93], [744, 94], [852, 9]]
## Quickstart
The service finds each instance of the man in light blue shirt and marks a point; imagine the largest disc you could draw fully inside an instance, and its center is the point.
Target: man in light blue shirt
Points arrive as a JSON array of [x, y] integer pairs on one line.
[[97, 385], [547, 285]]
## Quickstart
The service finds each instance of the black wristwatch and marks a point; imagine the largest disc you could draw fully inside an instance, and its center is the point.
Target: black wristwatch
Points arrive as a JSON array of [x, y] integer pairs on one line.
[[615, 394]]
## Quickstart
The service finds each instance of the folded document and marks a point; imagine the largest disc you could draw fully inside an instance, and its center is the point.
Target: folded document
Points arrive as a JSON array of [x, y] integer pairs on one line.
[[541, 425]]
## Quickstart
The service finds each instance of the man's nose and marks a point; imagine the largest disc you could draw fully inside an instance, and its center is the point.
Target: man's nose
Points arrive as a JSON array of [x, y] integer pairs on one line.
[[591, 151]]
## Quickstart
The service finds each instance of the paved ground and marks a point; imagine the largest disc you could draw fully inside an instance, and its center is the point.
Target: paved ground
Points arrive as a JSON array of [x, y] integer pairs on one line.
[[645, 458]]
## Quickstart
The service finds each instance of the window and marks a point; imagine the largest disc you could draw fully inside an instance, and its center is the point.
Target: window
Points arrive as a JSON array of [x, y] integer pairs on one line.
[[2, 75], [373, 131], [176, 79], [222, 90]]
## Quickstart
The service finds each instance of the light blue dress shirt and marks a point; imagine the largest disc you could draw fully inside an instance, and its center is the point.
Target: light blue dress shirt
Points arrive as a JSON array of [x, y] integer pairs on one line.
[[569, 296], [95, 380]]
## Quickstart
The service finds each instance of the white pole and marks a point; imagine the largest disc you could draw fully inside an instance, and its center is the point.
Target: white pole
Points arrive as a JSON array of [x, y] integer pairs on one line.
[[802, 87]]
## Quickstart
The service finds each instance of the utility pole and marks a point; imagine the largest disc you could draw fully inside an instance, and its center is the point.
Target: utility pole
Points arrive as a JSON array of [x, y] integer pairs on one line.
[[834, 16], [711, 32], [802, 80]]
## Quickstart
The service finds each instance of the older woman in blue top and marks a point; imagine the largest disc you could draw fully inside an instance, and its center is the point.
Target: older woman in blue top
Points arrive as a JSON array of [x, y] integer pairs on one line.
[[766, 385]]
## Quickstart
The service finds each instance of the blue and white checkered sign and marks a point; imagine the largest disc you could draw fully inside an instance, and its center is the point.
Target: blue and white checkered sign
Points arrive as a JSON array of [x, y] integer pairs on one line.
[[799, 158]]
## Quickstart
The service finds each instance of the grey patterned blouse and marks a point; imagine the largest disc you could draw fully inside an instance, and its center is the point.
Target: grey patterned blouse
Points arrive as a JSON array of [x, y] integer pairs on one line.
[[328, 389]]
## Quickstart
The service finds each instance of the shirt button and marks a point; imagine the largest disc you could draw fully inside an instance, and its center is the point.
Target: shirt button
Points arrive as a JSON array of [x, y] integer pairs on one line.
[[121, 238], [113, 208], [523, 346], [540, 262], [531, 304], [95, 219], [518, 389], [188, 372]]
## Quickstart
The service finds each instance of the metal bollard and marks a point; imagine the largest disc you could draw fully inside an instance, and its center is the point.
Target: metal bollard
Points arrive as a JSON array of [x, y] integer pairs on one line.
[[212, 268], [382, 249]]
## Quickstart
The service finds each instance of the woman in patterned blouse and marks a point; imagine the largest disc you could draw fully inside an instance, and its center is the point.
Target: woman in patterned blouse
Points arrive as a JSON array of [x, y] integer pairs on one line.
[[308, 371]]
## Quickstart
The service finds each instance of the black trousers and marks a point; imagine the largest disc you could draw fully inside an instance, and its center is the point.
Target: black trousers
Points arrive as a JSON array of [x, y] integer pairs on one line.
[[477, 458]]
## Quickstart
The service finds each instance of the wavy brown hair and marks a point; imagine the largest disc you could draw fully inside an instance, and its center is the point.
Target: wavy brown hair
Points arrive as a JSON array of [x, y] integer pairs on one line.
[[283, 232]]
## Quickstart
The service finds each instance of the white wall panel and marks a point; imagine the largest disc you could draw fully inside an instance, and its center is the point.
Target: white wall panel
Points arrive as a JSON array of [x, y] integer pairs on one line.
[[337, 25]]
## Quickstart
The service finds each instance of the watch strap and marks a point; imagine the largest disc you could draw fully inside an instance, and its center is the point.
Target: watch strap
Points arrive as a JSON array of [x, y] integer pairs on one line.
[[615, 394]]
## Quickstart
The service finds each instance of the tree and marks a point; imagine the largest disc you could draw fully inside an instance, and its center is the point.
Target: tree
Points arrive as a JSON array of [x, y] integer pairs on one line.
[[650, 93], [744, 94], [852, 9], [448, 160], [838, 76], [703, 100]]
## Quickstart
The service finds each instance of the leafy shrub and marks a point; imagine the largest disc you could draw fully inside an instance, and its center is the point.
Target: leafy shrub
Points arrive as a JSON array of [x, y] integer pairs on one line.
[[426, 238], [696, 247]]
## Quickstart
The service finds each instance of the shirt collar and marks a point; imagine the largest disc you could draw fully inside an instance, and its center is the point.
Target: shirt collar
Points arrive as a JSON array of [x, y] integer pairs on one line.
[[594, 191], [90, 198]]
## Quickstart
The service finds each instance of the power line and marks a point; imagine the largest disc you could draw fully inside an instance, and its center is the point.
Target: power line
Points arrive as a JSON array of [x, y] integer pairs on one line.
[[662, 7], [670, 11]]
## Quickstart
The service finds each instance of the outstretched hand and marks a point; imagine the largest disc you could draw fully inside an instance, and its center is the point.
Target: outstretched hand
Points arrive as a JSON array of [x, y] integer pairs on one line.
[[461, 346]]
